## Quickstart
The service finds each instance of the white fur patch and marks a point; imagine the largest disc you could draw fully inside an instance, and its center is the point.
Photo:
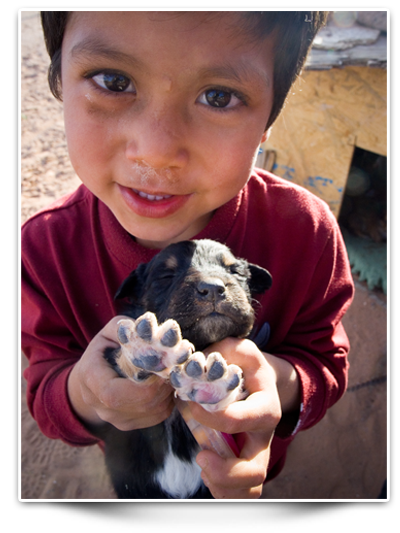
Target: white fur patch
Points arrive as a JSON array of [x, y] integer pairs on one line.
[[179, 478]]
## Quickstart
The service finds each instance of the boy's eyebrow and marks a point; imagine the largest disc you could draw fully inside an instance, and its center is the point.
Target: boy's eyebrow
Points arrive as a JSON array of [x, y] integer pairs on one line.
[[97, 47], [239, 72]]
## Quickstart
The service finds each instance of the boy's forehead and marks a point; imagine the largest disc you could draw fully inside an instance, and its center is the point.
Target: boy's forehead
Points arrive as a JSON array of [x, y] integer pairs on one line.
[[176, 20], [158, 35], [176, 26]]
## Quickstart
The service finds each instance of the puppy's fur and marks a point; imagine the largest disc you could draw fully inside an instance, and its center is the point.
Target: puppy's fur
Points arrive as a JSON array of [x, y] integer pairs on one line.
[[208, 291]]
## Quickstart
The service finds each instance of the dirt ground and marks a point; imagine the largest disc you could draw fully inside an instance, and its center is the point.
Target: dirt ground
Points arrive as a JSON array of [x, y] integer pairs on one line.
[[343, 457]]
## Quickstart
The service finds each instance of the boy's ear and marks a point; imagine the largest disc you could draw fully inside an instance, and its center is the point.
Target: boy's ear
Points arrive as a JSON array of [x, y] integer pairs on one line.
[[260, 280], [132, 286], [265, 135]]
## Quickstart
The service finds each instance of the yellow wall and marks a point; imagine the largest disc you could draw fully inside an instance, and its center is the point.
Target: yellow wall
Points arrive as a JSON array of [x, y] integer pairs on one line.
[[330, 113]]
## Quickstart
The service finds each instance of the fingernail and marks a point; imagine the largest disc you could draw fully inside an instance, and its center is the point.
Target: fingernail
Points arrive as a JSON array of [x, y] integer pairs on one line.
[[202, 462]]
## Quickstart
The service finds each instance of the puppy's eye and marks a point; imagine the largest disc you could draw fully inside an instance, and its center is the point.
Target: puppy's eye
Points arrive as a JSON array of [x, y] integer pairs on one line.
[[237, 269], [166, 274]]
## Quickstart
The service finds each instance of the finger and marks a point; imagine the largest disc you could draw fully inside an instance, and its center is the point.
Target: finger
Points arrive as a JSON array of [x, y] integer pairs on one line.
[[127, 405], [259, 412], [120, 401], [232, 478], [228, 493], [97, 372], [256, 447], [125, 422], [241, 352], [110, 330], [121, 394], [257, 372]]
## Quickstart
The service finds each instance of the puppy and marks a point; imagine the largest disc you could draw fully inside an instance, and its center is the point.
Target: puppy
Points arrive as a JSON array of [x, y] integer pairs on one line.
[[192, 294]]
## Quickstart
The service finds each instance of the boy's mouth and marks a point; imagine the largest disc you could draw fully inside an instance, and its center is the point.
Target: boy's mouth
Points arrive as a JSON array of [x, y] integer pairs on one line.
[[155, 205], [152, 197]]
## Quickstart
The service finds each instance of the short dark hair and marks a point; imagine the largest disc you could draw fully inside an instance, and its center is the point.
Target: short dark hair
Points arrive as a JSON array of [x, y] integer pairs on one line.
[[294, 32]]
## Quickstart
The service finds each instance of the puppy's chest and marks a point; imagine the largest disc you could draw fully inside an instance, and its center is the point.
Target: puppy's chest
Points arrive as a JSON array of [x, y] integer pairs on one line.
[[179, 476]]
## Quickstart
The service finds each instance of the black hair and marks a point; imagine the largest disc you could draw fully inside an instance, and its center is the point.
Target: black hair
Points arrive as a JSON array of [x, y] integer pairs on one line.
[[294, 32]]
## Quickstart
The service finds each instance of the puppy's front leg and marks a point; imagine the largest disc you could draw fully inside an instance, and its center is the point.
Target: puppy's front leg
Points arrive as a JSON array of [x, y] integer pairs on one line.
[[148, 348]]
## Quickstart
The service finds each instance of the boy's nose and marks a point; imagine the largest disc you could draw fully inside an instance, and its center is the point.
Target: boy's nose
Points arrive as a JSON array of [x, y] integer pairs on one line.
[[157, 140]]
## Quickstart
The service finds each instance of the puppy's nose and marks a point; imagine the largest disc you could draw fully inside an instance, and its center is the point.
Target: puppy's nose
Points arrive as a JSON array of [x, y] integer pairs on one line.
[[212, 289]]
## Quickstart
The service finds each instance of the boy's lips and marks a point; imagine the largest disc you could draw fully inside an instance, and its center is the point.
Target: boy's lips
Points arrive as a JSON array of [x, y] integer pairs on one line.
[[152, 205]]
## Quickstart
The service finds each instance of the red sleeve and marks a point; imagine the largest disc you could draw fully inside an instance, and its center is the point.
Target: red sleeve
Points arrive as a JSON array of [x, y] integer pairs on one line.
[[317, 344], [52, 352]]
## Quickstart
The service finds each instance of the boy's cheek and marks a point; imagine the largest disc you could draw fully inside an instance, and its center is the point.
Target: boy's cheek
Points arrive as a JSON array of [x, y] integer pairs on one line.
[[89, 140]]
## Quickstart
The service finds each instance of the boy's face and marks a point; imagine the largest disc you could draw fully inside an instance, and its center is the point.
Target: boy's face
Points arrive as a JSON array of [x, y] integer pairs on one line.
[[164, 113]]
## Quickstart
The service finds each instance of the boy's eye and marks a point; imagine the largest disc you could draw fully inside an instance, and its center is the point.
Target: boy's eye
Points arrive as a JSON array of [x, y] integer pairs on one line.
[[219, 98], [114, 81]]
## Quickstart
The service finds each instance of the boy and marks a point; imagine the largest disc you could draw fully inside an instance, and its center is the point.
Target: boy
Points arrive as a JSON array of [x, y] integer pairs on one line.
[[164, 114]]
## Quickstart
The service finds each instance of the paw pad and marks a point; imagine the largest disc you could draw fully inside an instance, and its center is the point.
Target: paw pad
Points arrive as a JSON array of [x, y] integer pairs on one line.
[[209, 381], [148, 348]]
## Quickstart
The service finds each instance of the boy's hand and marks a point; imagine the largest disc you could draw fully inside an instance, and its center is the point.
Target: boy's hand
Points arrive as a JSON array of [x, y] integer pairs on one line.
[[99, 395], [266, 378]]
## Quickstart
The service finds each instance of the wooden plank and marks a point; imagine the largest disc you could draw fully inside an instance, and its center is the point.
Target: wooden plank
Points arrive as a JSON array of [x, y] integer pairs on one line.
[[370, 56], [329, 114], [333, 38]]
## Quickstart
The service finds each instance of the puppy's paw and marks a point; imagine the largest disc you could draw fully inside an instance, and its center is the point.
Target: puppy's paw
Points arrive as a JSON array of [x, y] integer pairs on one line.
[[148, 348], [209, 381]]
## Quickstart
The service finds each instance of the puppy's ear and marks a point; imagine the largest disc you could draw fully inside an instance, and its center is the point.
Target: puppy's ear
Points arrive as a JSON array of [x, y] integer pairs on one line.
[[132, 286], [260, 279]]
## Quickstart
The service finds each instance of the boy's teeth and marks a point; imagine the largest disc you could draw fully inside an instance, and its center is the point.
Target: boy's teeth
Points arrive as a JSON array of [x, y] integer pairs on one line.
[[152, 197]]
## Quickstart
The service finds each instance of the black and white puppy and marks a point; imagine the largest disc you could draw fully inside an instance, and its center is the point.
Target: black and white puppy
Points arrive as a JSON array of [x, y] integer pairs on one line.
[[190, 295]]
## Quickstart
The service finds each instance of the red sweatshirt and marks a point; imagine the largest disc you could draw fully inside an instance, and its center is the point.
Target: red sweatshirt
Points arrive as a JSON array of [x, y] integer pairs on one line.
[[75, 254]]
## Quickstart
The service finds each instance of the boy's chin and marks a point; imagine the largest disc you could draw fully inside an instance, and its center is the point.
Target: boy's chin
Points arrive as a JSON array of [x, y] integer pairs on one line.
[[160, 237]]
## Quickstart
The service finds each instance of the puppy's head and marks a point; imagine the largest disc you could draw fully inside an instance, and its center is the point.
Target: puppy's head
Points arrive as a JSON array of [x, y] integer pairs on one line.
[[202, 286]]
